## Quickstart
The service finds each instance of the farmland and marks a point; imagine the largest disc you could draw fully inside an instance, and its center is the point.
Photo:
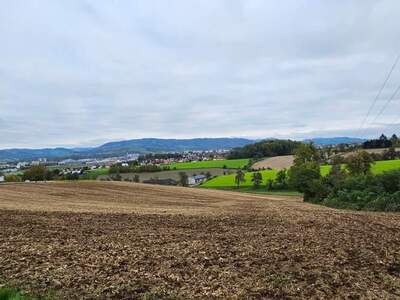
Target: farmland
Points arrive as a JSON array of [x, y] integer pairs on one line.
[[116, 240], [93, 174], [228, 181], [172, 174], [228, 163]]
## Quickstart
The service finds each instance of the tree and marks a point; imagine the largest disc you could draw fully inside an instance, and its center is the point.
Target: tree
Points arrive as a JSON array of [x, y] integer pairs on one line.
[[266, 148], [336, 175], [302, 178], [305, 172], [270, 185], [136, 178], [306, 153], [281, 178], [394, 139], [239, 178], [389, 154], [256, 178], [359, 163], [183, 179], [37, 173]]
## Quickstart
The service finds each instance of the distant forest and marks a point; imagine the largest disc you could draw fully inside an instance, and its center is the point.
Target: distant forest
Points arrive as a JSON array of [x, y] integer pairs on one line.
[[265, 148], [382, 142]]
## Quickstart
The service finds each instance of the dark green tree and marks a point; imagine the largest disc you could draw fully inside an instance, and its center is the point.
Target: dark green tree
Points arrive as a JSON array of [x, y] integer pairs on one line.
[[302, 178], [136, 178], [359, 163], [37, 173], [256, 178], [239, 178], [183, 179], [306, 153]]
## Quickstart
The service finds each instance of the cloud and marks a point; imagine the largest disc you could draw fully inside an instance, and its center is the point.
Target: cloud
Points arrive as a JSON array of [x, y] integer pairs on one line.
[[80, 72]]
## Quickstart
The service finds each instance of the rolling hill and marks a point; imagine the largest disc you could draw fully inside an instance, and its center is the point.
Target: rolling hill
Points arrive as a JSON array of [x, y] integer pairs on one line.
[[122, 147]]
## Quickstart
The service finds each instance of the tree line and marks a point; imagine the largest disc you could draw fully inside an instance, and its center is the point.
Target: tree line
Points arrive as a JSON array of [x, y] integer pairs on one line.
[[265, 148]]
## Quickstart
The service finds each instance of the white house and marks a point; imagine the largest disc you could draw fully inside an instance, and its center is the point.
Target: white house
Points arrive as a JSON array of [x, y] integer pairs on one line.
[[2, 179], [197, 179]]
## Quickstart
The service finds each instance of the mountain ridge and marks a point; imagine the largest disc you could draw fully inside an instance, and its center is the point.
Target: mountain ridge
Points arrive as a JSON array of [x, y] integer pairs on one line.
[[118, 148]]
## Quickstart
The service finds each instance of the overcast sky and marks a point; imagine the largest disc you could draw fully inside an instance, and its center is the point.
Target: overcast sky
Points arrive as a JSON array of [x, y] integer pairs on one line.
[[85, 72]]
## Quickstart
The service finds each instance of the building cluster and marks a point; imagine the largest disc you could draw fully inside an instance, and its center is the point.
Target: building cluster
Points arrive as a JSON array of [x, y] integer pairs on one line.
[[186, 156]]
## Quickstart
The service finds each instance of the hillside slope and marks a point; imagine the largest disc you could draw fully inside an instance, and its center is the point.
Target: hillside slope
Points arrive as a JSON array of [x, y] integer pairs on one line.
[[106, 240]]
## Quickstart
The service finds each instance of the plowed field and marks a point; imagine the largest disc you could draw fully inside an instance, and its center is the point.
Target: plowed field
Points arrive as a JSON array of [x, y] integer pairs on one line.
[[107, 240]]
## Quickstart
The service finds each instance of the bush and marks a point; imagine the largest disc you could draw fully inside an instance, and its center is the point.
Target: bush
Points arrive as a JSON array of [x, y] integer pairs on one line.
[[37, 173], [302, 178], [12, 178], [364, 192]]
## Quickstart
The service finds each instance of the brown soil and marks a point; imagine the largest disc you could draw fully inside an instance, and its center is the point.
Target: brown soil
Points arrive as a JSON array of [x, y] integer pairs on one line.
[[105, 240], [276, 162]]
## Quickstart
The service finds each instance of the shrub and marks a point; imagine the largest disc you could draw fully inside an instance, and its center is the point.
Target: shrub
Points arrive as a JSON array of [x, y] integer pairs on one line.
[[364, 192], [12, 178]]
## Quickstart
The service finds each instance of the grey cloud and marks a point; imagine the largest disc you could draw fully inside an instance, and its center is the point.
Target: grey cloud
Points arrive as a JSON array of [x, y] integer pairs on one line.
[[80, 72]]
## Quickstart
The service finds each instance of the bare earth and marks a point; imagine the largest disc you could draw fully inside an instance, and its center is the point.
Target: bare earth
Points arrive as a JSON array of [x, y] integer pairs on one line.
[[107, 240], [276, 162]]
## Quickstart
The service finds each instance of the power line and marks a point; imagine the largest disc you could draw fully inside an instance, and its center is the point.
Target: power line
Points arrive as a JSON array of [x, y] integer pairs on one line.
[[386, 104], [378, 94]]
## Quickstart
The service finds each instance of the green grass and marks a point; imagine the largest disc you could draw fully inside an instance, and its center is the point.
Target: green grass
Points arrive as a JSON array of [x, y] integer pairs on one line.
[[228, 181], [385, 165], [7, 293], [10, 294], [228, 163], [92, 174]]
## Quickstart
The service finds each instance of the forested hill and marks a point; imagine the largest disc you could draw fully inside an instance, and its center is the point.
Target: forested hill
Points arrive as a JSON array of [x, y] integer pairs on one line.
[[265, 148]]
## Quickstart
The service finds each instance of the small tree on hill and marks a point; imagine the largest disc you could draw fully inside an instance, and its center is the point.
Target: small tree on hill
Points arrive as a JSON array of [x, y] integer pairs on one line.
[[37, 173], [239, 178], [281, 179], [256, 178], [183, 179], [136, 178], [306, 153], [305, 173], [302, 178], [359, 163], [12, 178]]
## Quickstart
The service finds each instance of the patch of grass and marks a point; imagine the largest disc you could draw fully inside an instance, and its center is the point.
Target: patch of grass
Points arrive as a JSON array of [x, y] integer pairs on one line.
[[228, 181], [228, 163], [92, 174], [385, 165], [8, 293]]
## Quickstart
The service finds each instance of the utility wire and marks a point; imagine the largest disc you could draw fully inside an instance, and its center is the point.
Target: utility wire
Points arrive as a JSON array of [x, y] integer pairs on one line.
[[386, 104], [378, 94]]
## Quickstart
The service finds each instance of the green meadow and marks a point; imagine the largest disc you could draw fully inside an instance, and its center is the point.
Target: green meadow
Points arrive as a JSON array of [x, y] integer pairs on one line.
[[92, 174], [228, 181], [227, 163]]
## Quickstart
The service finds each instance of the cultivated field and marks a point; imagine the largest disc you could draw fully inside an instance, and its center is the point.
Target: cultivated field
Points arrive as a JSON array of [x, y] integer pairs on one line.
[[228, 181], [116, 240], [276, 162], [228, 163], [174, 174]]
